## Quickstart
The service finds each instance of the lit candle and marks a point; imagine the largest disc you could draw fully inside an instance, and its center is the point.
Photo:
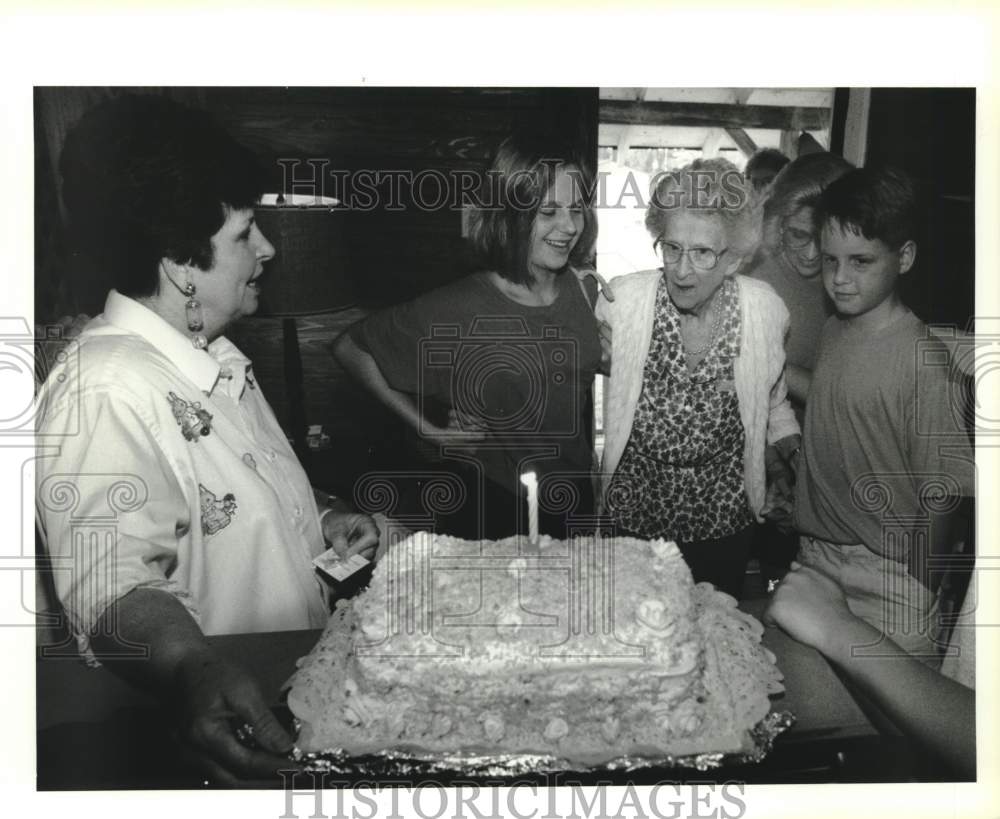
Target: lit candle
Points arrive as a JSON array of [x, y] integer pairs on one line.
[[530, 480]]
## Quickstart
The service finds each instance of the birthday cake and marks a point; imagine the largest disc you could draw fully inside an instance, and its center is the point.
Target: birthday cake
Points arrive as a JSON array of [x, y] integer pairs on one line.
[[588, 649]]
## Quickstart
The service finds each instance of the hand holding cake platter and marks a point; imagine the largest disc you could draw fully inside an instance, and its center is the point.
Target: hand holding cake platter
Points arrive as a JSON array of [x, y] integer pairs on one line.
[[579, 652]]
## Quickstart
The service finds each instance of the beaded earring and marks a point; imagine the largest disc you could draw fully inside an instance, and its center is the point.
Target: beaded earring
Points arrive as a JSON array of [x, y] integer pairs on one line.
[[193, 314], [195, 319]]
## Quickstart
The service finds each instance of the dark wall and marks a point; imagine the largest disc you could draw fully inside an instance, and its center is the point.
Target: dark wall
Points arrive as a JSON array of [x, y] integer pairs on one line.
[[396, 250], [931, 134]]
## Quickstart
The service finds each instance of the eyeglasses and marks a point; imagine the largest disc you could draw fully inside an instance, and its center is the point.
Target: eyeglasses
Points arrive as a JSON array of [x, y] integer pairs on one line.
[[701, 258], [796, 238]]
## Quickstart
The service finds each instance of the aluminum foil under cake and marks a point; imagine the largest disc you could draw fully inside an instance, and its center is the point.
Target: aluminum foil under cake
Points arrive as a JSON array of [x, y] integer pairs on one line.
[[396, 763]]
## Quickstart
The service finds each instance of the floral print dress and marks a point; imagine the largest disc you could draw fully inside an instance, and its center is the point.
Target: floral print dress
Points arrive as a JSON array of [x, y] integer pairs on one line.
[[681, 475]]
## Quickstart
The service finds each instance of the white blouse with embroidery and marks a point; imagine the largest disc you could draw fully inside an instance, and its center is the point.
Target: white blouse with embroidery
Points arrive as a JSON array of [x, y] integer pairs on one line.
[[163, 466]]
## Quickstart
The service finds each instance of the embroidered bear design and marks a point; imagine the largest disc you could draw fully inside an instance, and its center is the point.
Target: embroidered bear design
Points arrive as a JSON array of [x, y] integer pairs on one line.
[[216, 515], [190, 417]]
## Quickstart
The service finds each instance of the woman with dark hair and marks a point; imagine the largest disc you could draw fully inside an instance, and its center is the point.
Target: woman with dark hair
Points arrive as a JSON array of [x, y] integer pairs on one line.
[[162, 426], [698, 427], [510, 352]]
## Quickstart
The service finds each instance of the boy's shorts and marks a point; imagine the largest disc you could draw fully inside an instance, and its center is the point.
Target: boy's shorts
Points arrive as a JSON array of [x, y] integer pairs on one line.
[[882, 593]]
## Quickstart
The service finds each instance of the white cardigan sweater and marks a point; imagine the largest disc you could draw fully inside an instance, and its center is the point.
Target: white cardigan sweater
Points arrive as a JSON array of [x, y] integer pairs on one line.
[[758, 372]]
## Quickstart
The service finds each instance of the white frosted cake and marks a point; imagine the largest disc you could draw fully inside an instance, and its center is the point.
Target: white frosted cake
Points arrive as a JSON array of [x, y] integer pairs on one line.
[[587, 649]]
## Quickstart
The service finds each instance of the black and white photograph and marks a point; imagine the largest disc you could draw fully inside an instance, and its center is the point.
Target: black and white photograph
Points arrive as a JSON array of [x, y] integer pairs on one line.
[[474, 444]]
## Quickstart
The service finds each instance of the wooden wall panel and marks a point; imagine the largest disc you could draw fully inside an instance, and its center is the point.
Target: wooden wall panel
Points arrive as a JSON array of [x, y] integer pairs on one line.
[[931, 134], [363, 435]]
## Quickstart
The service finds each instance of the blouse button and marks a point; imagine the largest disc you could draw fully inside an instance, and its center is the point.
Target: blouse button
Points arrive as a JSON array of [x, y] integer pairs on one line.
[[298, 511]]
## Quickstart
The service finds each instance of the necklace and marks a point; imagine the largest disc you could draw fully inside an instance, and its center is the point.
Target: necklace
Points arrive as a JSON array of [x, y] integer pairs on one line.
[[715, 332]]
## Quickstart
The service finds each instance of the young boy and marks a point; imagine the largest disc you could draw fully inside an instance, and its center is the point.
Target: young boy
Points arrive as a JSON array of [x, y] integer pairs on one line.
[[885, 460]]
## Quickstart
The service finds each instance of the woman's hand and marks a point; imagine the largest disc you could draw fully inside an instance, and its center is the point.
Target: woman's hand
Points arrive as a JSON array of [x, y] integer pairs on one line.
[[812, 609], [212, 697], [789, 450], [216, 698], [780, 461], [351, 533], [605, 332], [779, 503]]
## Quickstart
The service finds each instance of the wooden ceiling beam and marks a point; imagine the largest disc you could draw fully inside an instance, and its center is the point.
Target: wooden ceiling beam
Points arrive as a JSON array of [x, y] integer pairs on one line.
[[789, 144], [710, 147], [628, 132], [743, 141], [713, 115]]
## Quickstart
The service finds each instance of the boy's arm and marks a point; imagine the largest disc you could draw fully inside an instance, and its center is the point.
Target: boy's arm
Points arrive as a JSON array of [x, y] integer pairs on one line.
[[935, 711], [798, 379]]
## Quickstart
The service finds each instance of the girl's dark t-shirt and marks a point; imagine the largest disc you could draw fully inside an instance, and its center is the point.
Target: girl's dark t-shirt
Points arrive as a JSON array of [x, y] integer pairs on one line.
[[525, 372]]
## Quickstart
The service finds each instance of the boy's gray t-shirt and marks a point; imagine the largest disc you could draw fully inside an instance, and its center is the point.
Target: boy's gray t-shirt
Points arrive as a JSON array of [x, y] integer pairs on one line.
[[883, 436]]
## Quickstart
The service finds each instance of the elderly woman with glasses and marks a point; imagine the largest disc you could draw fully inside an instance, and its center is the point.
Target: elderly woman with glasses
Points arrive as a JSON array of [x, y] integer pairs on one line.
[[699, 432], [789, 260]]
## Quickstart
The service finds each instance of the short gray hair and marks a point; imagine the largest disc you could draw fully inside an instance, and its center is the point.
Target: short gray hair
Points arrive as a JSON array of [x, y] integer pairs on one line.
[[707, 187]]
